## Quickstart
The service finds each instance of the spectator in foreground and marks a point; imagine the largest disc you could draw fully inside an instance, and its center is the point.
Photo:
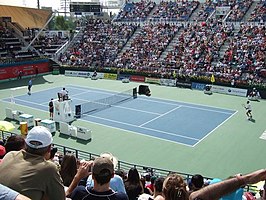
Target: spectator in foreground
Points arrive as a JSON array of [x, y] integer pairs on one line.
[[2, 152], [220, 189], [116, 182], [174, 188], [28, 172], [133, 185], [102, 172], [158, 189], [196, 183], [7, 193], [68, 169], [157, 194], [15, 143]]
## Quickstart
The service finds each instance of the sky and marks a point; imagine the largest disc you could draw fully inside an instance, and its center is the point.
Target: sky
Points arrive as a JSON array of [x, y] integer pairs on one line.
[[55, 4]]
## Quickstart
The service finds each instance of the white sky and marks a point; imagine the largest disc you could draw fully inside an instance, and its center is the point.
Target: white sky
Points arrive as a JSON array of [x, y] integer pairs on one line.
[[55, 4]]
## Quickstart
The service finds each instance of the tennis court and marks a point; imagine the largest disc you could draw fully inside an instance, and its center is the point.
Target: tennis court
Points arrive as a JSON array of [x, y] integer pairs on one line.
[[155, 131], [162, 119]]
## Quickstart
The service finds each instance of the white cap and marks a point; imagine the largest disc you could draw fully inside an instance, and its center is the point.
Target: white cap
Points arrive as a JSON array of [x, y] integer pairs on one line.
[[39, 137]]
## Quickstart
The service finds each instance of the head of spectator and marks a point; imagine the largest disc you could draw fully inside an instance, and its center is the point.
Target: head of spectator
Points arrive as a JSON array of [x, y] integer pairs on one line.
[[68, 169], [121, 173], [196, 182], [158, 185], [39, 141], [133, 176], [111, 157], [2, 152], [15, 143], [174, 188], [102, 172]]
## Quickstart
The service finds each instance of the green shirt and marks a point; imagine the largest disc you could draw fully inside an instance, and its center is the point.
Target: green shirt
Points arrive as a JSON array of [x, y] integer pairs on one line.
[[31, 175]]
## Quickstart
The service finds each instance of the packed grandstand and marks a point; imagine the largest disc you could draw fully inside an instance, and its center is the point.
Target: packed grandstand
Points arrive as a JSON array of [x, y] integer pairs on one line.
[[181, 40]]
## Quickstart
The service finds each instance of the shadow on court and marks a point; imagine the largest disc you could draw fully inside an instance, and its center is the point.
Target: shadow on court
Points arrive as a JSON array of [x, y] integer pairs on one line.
[[74, 138], [253, 120], [23, 82]]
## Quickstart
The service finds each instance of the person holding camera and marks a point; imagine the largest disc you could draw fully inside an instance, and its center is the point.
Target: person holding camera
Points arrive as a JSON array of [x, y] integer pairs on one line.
[[29, 173], [102, 172]]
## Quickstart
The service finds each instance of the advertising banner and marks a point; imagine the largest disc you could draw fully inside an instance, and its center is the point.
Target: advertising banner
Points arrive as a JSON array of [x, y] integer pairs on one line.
[[123, 76], [110, 76], [168, 82], [183, 84], [77, 73], [229, 90], [198, 86], [152, 80], [84, 74], [23, 69], [137, 78]]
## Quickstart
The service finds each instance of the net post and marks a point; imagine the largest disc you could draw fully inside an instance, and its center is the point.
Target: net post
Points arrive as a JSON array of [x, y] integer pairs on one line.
[[78, 111], [135, 93]]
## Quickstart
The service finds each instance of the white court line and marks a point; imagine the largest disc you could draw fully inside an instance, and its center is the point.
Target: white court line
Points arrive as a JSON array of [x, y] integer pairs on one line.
[[92, 90], [142, 134], [168, 133], [189, 106], [159, 116], [30, 102], [214, 129]]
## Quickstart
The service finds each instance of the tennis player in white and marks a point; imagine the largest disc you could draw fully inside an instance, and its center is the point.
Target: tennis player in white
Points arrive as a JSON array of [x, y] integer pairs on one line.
[[248, 110]]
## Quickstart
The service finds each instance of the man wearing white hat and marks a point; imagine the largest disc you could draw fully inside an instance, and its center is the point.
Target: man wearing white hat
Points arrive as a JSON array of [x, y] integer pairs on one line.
[[27, 171]]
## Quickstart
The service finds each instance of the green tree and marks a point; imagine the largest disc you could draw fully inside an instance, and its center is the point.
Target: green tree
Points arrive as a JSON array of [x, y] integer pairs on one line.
[[60, 23]]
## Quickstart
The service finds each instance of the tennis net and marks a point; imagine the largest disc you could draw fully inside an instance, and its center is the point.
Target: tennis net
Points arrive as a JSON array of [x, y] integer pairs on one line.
[[100, 104]]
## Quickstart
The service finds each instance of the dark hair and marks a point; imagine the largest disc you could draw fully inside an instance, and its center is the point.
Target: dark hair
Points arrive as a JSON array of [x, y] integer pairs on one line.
[[14, 143], [53, 152], [133, 176], [68, 169], [158, 184], [197, 181], [40, 152], [104, 177]]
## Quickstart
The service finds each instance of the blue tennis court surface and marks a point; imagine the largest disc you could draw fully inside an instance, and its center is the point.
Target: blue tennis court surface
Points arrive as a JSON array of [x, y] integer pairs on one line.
[[173, 121]]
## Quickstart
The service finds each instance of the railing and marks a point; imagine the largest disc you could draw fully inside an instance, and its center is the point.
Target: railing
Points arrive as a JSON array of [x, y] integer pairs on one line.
[[125, 166]]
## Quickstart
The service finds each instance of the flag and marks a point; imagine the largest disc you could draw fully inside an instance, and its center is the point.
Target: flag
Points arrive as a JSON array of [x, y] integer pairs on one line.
[[212, 78]]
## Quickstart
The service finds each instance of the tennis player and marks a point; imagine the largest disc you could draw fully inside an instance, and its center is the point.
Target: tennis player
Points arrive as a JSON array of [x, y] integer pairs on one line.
[[29, 86], [51, 109], [248, 110]]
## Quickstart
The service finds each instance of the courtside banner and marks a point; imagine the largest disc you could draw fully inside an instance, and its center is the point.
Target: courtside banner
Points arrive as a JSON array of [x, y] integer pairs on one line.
[[26, 69], [137, 78], [229, 90], [123, 76], [183, 84], [167, 82], [110, 76], [77, 73], [198, 86], [152, 80]]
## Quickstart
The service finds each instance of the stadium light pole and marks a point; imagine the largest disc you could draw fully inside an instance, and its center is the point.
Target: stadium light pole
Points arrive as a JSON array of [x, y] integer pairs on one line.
[[38, 4]]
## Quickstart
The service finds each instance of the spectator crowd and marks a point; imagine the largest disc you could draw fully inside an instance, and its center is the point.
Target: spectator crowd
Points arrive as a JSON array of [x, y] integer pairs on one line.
[[32, 168]]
